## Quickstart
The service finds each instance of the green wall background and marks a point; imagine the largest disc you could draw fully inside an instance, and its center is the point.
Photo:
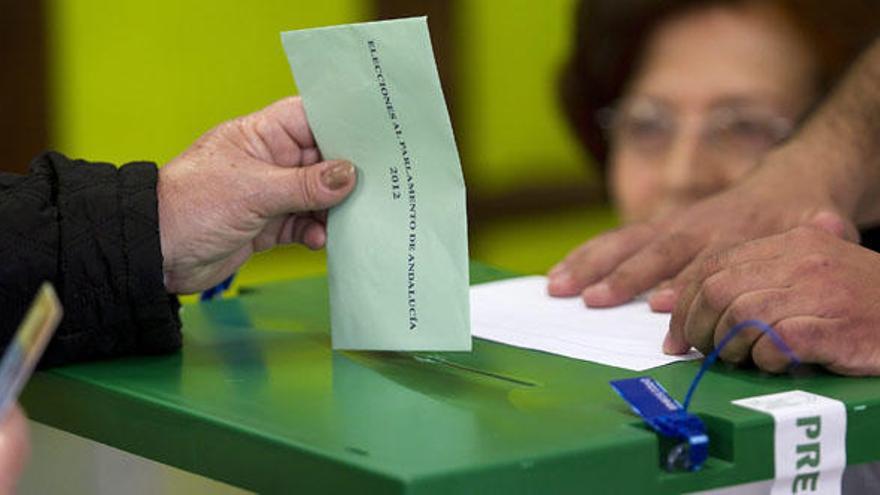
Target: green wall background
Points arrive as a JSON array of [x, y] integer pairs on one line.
[[510, 53], [138, 80], [142, 79]]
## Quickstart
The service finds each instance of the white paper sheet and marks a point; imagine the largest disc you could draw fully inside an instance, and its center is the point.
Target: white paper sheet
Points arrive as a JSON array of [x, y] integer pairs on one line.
[[519, 312]]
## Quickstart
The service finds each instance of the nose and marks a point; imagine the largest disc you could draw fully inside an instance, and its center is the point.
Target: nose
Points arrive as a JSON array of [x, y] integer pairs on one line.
[[691, 170]]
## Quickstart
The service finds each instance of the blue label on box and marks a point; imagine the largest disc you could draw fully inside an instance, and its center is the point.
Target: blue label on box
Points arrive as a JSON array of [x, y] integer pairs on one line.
[[647, 397]]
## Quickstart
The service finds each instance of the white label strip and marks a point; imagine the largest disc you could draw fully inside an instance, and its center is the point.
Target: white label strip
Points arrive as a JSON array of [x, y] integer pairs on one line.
[[809, 441]]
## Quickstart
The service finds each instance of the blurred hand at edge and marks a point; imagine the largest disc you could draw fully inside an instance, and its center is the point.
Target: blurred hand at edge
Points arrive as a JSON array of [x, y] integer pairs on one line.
[[14, 449]]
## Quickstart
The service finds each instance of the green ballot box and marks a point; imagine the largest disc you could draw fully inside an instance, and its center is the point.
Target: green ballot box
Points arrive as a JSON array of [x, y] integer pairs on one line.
[[258, 399]]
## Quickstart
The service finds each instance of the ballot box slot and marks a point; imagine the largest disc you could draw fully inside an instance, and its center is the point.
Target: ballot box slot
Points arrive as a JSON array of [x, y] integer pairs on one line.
[[417, 370], [441, 361]]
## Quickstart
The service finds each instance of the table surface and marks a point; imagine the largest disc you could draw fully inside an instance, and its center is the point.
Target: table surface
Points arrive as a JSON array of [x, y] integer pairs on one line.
[[258, 399]]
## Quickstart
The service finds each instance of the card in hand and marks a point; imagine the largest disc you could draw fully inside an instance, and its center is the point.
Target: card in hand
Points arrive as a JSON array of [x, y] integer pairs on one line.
[[27, 345]]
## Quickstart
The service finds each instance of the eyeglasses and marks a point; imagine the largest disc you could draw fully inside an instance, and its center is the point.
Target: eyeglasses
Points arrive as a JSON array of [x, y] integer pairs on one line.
[[651, 127]]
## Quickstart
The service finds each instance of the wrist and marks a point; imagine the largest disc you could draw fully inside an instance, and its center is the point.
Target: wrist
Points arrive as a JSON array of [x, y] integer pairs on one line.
[[164, 227], [814, 175]]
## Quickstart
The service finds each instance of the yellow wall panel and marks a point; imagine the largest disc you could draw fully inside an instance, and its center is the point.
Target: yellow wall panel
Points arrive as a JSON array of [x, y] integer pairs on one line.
[[140, 80], [510, 53]]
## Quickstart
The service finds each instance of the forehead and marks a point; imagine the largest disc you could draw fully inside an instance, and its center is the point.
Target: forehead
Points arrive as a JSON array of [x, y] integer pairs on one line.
[[725, 52]]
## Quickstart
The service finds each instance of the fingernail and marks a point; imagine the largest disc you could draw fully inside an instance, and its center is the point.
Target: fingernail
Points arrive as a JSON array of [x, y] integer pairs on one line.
[[337, 176], [556, 269], [598, 295]]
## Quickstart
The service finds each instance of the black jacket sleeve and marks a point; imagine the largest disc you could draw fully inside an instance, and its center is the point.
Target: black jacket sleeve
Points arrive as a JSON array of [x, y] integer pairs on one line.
[[93, 231]]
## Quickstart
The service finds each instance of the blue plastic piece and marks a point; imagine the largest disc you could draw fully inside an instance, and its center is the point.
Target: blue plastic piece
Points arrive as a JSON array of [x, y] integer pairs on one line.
[[672, 420], [217, 290], [667, 417]]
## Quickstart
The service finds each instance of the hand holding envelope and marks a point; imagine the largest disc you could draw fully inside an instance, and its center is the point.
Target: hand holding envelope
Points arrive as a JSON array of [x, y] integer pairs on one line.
[[397, 247], [245, 186]]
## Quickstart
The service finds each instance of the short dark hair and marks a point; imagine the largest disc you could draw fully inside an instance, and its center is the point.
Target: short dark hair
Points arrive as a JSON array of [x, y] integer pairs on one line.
[[610, 37]]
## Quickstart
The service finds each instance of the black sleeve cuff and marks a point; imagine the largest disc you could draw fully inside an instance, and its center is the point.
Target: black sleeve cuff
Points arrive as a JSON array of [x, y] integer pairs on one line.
[[154, 311], [109, 272]]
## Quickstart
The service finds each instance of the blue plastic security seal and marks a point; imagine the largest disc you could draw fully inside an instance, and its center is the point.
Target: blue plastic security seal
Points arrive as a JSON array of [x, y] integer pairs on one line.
[[666, 416], [669, 418], [217, 290]]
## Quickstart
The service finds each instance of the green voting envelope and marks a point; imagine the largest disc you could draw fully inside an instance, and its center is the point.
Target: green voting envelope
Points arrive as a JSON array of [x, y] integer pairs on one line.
[[397, 247]]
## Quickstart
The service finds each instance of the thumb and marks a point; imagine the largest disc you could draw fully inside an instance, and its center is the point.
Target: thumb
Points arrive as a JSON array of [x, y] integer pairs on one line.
[[836, 225], [299, 189]]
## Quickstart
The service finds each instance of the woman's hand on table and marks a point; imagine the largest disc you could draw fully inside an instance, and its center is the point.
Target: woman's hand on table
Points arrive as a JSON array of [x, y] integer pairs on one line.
[[613, 268]]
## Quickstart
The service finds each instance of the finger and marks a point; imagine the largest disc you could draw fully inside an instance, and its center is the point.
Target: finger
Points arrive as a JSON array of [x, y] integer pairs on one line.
[[656, 262], [310, 156], [279, 148], [700, 323], [315, 233], [594, 259], [14, 449], [807, 336], [282, 131], [687, 284], [741, 291], [306, 230], [292, 116], [675, 342], [770, 306], [279, 134], [685, 297], [713, 260], [270, 235], [294, 190], [662, 299], [717, 282], [301, 228], [314, 236]]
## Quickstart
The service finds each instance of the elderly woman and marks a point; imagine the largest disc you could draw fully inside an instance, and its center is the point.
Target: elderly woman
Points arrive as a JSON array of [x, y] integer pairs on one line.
[[679, 99]]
